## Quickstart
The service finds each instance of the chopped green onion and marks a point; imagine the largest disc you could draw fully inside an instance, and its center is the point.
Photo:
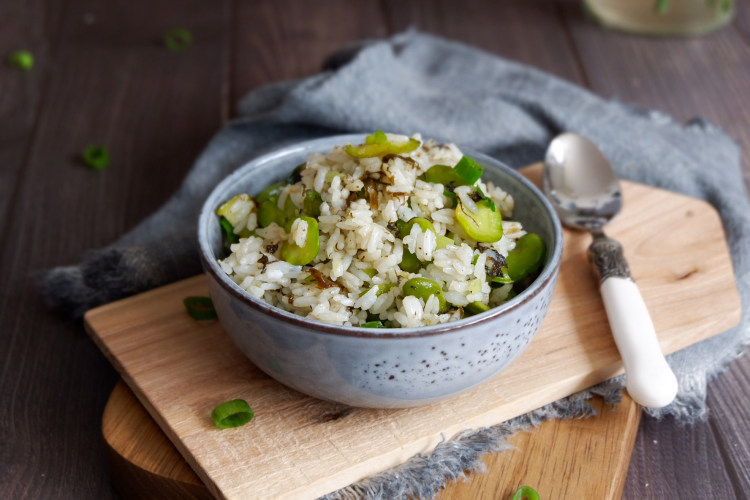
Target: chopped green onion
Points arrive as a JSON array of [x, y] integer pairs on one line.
[[469, 170], [231, 414], [370, 272], [485, 225], [476, 308], [486, 198], [96, 157], [200, 308], [228, 231], [378, 137], [178, 39], [372, 324], [503, 280], [372, 150], [21, 59], [526, 492], [228, 209]]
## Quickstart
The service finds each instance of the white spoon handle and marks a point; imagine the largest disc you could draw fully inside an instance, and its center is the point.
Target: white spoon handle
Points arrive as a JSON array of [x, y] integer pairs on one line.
[[650, 380]]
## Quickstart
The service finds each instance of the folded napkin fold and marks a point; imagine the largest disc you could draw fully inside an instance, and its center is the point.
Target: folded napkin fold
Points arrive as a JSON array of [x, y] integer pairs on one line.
[[414, 82]]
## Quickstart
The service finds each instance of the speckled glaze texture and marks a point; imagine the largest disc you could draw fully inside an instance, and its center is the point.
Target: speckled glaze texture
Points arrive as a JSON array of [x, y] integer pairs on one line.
[[380, 368]]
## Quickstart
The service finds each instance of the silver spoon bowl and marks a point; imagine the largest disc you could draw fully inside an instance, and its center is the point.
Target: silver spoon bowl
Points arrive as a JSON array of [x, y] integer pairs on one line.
[[583, 188]]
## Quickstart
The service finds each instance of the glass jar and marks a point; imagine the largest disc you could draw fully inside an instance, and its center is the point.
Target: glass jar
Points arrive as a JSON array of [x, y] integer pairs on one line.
[[662, 17]]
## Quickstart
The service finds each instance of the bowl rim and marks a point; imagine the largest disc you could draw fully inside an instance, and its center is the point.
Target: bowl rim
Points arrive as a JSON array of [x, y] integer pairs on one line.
[[211, 266]]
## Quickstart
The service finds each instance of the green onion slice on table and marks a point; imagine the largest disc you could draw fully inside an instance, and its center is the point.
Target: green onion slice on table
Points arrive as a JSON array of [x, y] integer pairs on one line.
[[21, 59], [96, 157], [200, 308], [178, 39], [232, 413], [526, 492]]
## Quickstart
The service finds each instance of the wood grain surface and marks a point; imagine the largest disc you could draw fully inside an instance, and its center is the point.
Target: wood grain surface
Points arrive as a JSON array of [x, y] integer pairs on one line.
[[171, 362], [580, 458], [101, 75]]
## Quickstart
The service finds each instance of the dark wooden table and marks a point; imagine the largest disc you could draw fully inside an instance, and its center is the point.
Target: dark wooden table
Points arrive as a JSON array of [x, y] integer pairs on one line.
[[102, 76]]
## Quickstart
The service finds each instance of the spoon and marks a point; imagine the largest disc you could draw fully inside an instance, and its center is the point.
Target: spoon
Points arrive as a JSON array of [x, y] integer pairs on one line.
[[580, 183]]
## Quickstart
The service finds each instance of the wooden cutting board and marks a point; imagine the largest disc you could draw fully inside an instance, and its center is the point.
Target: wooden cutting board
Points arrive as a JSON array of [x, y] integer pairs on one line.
[[577, 458], [180, 369]]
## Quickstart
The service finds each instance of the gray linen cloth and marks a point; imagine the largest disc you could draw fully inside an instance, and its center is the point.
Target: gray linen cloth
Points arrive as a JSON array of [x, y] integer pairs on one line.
[[419, 83]]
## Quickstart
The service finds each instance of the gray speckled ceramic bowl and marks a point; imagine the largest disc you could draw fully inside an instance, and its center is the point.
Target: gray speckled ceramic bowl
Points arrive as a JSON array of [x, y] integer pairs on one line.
[[381, 368]]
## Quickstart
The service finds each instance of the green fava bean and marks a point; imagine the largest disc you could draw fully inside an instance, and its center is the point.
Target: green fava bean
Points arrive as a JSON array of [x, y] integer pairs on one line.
[[269, 212], [370, 272], [422, 288], [302, 255], [443, 174], [380, 289], [312, 202], [527, 256], [268, 193], [485, 225], [409, 262], [444, 241], [423, 223]]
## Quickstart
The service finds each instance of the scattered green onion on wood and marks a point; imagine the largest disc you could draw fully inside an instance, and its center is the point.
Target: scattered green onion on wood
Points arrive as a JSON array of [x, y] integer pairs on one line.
[[526, 492], [96, 157], [232, 413], [200, 308], [21, 59], [178, 39]]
